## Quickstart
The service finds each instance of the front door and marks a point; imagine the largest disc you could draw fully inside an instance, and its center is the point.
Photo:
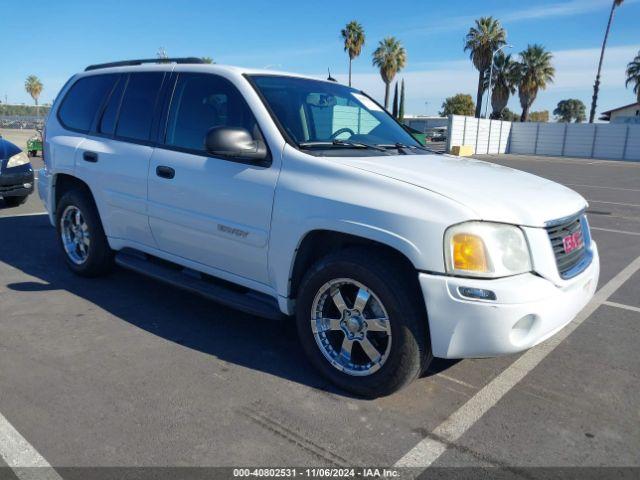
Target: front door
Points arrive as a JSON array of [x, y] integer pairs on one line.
[[214, 211]]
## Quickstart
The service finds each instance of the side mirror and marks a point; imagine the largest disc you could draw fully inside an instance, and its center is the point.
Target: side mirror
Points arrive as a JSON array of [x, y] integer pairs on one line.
[[234, 142]]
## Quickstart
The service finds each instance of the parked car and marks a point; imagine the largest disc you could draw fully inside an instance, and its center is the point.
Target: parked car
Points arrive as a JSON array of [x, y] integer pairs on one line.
[[300, 197], [438, 134], [16, 174]]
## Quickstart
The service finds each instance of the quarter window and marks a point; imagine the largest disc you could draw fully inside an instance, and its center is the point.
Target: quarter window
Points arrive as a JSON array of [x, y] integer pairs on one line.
[[201, 102], [138, 105], [80, 105]]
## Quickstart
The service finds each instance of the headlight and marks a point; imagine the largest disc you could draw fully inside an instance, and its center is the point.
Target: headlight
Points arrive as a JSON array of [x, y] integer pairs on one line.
[[483, 249], [17, 160]]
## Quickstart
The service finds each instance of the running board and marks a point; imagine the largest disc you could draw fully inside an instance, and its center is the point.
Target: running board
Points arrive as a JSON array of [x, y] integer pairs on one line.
[[220, 291]]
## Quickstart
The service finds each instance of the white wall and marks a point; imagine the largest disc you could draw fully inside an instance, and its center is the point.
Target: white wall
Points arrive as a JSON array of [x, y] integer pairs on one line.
[[485, 136], [607, 141]]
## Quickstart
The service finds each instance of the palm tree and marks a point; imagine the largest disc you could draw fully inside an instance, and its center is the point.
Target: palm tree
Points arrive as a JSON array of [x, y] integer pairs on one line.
[[390, 57], [207, 60], [353, 36], [34, 87], [504, 83], [534, 72], [633, 75], [596, 85], [481, 41]]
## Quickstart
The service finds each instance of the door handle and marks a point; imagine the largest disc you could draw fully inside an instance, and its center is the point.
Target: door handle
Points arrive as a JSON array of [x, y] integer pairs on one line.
[[88, 156], [165, 172]]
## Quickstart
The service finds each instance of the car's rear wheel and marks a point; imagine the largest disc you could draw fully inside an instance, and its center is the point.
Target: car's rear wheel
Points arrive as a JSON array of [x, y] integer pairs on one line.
[[81, 236], [15, 201], [362, 322]]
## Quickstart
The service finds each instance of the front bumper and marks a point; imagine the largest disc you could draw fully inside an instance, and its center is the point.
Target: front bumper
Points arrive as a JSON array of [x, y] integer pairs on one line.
[[16, 181], [528, 309]]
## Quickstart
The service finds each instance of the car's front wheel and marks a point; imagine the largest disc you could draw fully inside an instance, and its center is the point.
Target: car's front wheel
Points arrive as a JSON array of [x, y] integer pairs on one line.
[[81, 236], [362, 323]]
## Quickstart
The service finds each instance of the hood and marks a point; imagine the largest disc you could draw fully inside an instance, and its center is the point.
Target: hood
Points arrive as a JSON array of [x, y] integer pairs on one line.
[[492, 192]]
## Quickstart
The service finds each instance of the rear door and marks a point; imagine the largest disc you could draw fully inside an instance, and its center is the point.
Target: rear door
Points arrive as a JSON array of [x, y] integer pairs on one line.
[[114, 158], [211, 210]]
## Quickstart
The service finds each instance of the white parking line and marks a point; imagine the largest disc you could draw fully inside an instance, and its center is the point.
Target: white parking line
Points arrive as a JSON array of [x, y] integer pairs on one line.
[[614, 203], [448, 432], [607, 188], [626, 232], [622, 305], [24, 215], [21, 457]]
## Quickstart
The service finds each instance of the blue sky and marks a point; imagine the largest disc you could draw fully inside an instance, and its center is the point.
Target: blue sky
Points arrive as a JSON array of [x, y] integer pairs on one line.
[[303, 36]]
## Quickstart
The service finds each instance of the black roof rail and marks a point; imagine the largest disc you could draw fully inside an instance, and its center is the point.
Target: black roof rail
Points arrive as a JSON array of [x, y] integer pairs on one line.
[[128, 63]]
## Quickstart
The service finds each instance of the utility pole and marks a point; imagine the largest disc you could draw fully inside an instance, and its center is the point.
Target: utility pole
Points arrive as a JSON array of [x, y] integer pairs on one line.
[[493, 57]]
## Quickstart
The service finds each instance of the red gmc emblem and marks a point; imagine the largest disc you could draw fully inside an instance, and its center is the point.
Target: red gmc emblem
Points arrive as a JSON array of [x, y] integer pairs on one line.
[[571, 242]]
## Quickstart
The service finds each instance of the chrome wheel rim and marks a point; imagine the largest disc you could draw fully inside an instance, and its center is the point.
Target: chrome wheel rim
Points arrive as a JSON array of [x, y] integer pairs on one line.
[[74, 232], [351, 327]]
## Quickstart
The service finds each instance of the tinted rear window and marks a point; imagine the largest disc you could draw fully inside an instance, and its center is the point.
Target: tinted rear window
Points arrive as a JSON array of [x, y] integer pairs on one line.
[[83, 100], [108, 122], [138, 105]]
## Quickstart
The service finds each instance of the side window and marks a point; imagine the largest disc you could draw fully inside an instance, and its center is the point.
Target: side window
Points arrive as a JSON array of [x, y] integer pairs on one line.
[[203, 101], [108, 121], [138, 105], [83, 100]]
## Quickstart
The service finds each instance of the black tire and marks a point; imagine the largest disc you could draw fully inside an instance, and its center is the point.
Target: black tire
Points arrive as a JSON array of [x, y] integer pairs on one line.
[[12, 202], [99, 260], [398, 290]]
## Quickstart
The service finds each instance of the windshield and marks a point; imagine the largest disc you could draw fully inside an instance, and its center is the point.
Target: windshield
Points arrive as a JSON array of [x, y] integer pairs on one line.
[[319, 115]]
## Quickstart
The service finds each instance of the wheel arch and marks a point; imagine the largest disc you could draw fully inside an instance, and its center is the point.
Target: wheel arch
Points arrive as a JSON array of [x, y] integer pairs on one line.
[[62, 183], [318, 243]]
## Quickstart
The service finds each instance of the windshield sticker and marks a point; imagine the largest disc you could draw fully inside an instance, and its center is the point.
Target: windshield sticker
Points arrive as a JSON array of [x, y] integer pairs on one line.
[[367, 102]]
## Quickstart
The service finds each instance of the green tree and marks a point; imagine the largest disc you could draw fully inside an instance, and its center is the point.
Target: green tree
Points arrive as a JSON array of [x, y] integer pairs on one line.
[[353, 36], [482, 40], [503, 83], [541, 116], [633, 75], [534, 73], [401, 108], [570, 110], [509, 116], [390, 57], [207, 60], [596, 85], [34, 87], [395, 102], [460, 104]]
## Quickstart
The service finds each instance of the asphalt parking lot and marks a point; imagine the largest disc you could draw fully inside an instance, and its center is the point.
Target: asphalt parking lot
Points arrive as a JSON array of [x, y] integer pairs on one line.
[[124, 371]]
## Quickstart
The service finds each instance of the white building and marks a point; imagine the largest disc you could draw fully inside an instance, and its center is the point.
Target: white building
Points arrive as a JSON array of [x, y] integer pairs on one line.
[[627, 114], [422, 123]]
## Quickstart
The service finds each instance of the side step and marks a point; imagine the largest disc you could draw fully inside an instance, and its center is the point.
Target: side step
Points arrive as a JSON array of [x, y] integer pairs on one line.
[[219, 291]]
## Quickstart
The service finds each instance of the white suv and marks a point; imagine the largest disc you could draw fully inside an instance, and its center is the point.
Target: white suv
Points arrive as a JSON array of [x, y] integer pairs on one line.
[[283, 195]]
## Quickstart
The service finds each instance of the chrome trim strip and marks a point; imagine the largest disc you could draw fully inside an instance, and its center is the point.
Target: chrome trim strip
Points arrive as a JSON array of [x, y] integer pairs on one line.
[[559, 221]]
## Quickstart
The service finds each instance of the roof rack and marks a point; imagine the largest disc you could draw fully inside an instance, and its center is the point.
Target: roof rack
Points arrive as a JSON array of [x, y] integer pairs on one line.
[[128, 63]]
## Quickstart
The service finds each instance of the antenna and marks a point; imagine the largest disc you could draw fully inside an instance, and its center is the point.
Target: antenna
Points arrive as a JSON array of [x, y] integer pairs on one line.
[[330, 78]]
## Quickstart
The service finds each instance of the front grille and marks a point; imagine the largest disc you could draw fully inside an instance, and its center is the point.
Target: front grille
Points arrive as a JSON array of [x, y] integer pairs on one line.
[[568, 263]]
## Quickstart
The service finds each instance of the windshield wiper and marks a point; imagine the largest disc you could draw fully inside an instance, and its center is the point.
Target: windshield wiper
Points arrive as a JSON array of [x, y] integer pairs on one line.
[[341, 144], [399, 145]]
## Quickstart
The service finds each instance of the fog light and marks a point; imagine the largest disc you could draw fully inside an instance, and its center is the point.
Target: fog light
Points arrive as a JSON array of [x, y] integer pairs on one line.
[[26, 185], [477, 293]]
